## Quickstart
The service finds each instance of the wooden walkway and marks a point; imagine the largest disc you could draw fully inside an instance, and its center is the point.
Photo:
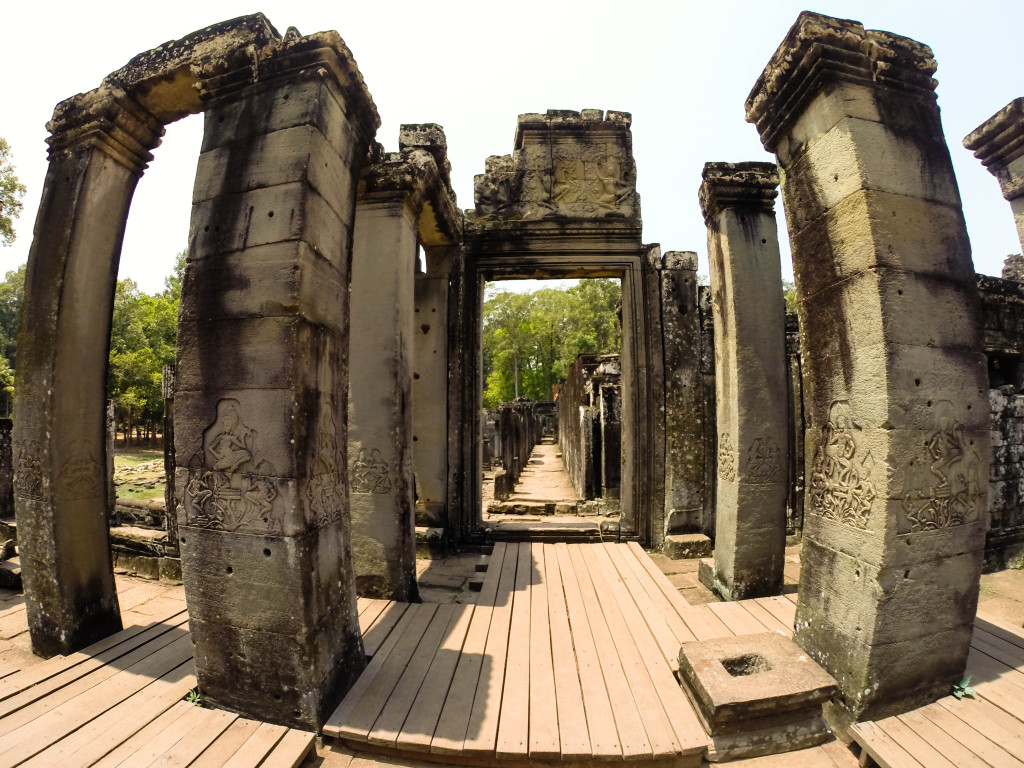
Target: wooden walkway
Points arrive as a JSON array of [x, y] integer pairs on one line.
[[985, 731], [569, 655], [118, 704]]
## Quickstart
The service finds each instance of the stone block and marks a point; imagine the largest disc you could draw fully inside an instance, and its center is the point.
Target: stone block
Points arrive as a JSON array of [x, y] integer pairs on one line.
[[755, 694], [300, 153], [686, 546], [272, 280], [300, 103], [872, 229], [287, 211], [858, 154]]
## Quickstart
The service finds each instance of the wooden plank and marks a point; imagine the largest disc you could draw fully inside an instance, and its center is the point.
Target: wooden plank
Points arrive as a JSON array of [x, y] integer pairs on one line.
[[378, 634], [514, 724], [8, 668], [990, 721], [781, 608], [766, 617], [996, 683], [573, 739], [493, 575], [229, 742], [960, 755], [99, 667], [24, 741], [791, 596], [666, 639], [700, 622], [736, 617], [660, 734], [914, 745], [1003, 629], [369, 611], [257, 746], [704, 623], [544, 741], [374, 698], [657, 597], [477, 674], [389, 724], [144, 735], [290, 751], [680, 717], [600, 720], [27, 707], [987, 750], [350, 704], [148, 751], [133, 635], [419, 726], [189, 747], [628, 721], [119, 723], [882, 748], [998, 648]]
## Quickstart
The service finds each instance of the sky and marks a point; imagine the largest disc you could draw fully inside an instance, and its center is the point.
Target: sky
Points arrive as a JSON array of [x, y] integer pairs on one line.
[[683, 69]]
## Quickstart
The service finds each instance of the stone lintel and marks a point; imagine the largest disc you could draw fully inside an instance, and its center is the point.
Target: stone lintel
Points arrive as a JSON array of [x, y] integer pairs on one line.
[[568, 121], [413, 175], [819, 50], [727, 185], [107, 119], [998, 142]]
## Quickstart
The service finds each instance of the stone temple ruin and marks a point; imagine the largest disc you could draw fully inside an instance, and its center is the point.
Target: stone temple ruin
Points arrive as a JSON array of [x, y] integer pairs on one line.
[[327, 391]]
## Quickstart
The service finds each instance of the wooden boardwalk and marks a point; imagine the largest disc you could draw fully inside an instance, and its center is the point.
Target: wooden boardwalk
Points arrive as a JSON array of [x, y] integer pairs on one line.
[[984, 731], [118, 704], [568, 655]]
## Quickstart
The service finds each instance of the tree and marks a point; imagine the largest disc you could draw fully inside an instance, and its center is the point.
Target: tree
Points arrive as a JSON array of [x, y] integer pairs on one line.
[[11, 192], [531, 339]]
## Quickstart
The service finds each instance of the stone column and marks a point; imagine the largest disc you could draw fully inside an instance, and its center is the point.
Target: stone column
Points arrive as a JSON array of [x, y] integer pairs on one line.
[[380, 405], [684, 395], [99, 146], [897, 439], [430, 390], [262, 382], [750, 378], [999, 144]]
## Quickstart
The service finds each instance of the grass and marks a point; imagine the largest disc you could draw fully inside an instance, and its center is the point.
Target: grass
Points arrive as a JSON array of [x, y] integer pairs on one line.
[[129, 457], [135, 487]]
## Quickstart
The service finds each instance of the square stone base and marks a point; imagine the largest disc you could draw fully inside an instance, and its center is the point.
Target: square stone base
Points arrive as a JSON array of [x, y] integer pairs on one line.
[[755, 694], [685, 546]]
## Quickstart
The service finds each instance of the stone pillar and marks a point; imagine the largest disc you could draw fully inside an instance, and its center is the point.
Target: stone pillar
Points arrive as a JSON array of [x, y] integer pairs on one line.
[[999, 144], [610, 395], [262, 383], [750, 378], [430, 390], [6, 471], [170, 500], [684, 395], [99, 146], [380, 425], [895, 395]]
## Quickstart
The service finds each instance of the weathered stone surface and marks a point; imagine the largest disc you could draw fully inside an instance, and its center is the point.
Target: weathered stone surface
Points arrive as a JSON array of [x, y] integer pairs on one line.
[[682, 546], [895, 389], [755, 694], [750, 378]]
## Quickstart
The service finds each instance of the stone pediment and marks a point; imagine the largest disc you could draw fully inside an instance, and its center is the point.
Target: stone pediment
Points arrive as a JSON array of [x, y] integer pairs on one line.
[[565, 165]]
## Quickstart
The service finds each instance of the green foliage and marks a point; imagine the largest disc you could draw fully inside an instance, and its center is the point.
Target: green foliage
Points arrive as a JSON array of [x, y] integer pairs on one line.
[[194, 697], [11, 192], [963, 689], [142, 337], [531, 339], [789, 292]]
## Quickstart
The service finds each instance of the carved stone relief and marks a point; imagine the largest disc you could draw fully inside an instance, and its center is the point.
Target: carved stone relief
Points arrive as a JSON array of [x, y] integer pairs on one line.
[[941, 486], [726, 458], [80, 477], [28, 471], [763, 465], [841, 488], [370, 473], [230, 487], [325, 494]]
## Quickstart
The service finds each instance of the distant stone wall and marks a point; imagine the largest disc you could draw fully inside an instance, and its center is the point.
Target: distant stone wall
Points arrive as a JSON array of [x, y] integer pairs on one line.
[[590, 426]]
